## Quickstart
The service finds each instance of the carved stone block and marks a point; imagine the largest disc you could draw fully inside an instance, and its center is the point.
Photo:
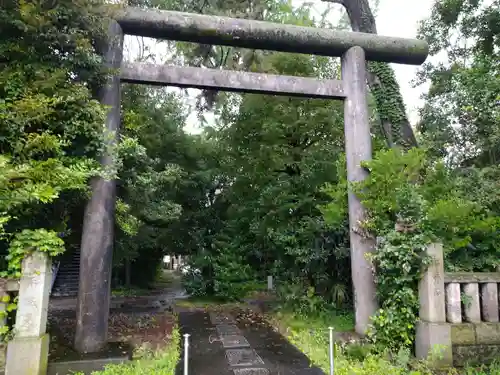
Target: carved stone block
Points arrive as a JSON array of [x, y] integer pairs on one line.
[[453, 303], [472, 308], [489, 302]]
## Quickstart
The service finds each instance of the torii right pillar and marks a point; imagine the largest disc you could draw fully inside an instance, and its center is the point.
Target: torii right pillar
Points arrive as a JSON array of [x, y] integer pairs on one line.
[[358, 148]]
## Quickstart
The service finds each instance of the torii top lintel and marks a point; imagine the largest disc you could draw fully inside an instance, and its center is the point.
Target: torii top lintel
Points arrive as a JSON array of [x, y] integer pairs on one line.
[[245, 33]]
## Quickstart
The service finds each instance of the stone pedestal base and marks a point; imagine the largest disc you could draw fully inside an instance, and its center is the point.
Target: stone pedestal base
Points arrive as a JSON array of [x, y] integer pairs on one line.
[[28, 356], [433, 343]]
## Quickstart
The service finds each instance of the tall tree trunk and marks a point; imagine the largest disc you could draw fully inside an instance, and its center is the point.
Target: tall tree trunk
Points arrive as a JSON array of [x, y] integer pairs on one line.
[[382, 81]]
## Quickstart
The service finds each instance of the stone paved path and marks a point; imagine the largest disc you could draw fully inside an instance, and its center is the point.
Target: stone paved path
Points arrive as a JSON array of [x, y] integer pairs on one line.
[[224, 344]]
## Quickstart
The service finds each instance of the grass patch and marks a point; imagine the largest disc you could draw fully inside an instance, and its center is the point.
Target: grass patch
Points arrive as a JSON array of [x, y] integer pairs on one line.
[[161, 362], [340, 321], [205, 303], [129, 292], [311, 336]]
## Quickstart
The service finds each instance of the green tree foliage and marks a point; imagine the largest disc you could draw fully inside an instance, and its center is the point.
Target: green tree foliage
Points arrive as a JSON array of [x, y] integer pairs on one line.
[[276, 155], [461, 117], [414, 201], [162, 182], [50, 124]]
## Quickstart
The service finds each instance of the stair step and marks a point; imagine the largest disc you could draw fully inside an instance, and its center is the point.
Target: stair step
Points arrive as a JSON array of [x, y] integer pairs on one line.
[[61, 291], [67, 280], [64, 294], [68, 277]]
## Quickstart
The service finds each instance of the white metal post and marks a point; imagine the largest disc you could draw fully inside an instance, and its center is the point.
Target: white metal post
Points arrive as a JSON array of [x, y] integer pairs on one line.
[[186, 353]]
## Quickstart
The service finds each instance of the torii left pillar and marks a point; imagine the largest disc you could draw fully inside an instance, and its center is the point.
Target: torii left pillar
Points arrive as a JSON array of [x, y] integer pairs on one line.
[[98, 226]]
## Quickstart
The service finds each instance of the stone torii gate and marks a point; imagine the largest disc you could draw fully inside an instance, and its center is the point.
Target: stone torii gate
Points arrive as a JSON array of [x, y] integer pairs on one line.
[[354, 49]]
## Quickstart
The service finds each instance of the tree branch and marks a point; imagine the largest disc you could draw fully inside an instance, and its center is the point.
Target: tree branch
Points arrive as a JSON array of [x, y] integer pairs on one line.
[[382, 82], [334, 1]]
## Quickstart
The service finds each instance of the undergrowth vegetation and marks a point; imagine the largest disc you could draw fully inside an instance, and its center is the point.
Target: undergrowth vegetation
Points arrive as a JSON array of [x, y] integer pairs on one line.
[[413, 200], [311, 336], [162, 362]]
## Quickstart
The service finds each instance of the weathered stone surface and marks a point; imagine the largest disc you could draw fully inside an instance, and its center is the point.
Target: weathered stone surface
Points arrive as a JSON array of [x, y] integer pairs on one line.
[[472, 277], [453, 303], [3, 351], [233, 81], [99, 220], [489, 302], [358, 150], [463, 334], [220, 318], [27, 356], [488, 333], [3, 311], [251, 371], [86, 366], [475, 354], [433, 343], [234, 341], [34, 291], [243, 357], [472, 309], [227, 330], [9, 285], [431, 288], [240, 32]]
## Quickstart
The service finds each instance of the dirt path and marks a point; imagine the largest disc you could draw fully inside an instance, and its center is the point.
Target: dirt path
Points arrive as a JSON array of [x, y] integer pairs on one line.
[[137, 321]]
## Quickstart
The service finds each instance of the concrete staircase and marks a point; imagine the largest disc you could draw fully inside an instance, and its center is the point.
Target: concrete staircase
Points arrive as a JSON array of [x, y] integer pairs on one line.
[[66, 283]]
